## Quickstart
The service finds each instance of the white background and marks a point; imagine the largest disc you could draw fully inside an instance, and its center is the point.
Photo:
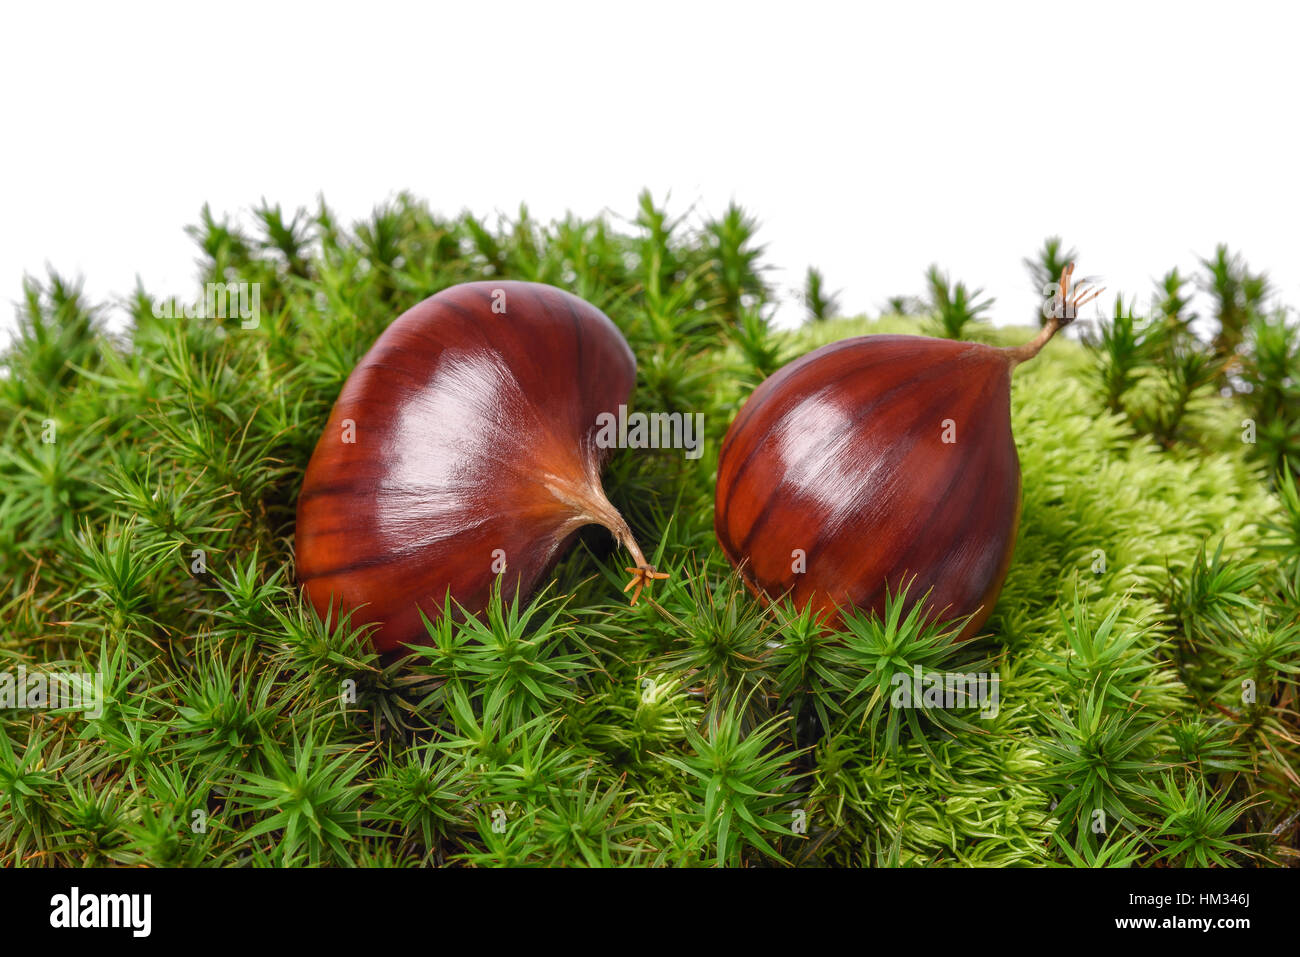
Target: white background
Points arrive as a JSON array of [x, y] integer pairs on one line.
[[870, 141]]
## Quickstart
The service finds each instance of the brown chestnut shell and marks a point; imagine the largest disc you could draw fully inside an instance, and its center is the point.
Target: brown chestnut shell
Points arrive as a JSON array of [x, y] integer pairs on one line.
[[472, 422], [836, 482]]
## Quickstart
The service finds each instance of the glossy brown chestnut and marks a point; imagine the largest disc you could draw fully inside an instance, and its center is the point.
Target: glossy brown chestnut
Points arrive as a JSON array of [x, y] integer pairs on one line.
[[877, 462], [462, 447]]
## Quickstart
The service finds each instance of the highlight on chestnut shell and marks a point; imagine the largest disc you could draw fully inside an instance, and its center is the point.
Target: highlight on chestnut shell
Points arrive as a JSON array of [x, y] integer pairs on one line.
[[880, 462], [461, 452]]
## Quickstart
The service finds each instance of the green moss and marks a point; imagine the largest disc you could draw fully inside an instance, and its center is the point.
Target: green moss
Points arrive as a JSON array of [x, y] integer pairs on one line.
[[151, 542]]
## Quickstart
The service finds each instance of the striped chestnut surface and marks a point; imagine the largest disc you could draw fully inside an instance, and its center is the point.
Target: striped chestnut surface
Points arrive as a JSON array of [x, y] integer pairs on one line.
[[878, 462], [461, 449]]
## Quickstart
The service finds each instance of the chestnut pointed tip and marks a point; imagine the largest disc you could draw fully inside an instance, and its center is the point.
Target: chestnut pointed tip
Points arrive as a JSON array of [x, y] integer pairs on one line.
[[642, 575]]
